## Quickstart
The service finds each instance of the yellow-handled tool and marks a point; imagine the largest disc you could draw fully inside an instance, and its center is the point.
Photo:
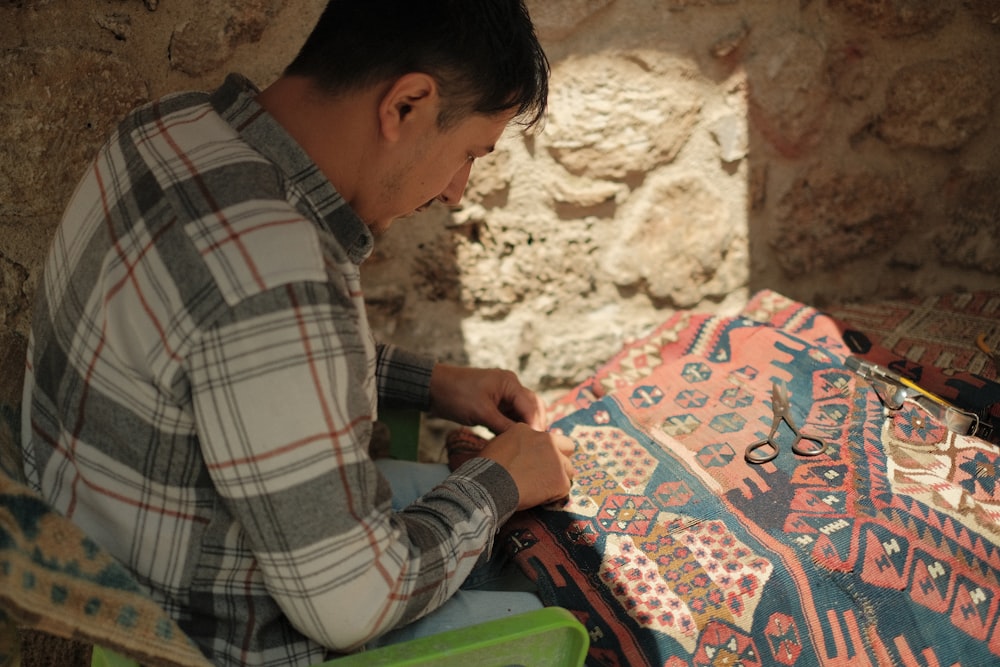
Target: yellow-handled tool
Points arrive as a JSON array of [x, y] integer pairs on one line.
[[982, 345]]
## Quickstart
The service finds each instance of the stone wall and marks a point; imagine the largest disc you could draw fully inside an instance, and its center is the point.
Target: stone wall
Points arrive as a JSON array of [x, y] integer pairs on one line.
[[695, 151]]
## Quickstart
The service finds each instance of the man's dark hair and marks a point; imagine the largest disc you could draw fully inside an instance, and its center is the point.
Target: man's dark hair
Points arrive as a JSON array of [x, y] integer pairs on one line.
[[484, 54]]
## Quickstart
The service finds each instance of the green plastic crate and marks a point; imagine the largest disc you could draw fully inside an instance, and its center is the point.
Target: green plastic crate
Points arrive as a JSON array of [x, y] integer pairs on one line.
[[549, 637]]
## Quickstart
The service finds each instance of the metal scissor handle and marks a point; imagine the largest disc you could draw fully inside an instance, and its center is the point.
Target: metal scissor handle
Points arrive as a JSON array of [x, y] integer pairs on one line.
[[753, 456], [781, 412]]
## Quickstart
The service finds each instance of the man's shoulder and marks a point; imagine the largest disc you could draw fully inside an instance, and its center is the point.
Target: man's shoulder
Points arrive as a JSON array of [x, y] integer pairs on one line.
[[247, 222], [182, 137]]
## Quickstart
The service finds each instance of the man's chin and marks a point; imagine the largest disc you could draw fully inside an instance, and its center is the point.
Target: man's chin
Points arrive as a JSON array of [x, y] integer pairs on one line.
[[379, 228]]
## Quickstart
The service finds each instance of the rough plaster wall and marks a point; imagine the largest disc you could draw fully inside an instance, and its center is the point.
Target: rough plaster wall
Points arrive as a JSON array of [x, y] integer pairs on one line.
[[696, 150]]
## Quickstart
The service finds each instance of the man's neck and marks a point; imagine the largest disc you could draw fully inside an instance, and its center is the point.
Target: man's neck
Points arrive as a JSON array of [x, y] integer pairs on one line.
[[336, 132]]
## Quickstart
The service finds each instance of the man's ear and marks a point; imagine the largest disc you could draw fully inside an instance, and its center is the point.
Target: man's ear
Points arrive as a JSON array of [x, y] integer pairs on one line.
[[411, 100]]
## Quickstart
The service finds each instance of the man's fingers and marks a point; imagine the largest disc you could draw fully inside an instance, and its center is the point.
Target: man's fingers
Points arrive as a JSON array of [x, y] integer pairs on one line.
[[570, 470], [499, 423], [538, 419], [529, 408], [564, 444]]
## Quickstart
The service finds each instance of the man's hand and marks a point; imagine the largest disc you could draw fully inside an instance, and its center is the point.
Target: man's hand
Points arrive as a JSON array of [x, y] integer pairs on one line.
[[538, 462], [484, 397]]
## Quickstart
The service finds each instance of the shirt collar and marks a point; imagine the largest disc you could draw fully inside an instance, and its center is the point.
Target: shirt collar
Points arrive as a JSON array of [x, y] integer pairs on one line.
[[236, 102]]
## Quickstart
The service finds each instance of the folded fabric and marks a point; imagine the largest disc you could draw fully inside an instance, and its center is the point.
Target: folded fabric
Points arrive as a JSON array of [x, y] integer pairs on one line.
[[461, 445]]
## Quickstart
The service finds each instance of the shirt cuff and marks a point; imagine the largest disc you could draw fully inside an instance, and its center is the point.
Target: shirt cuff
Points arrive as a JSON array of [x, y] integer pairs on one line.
[[494, 482]]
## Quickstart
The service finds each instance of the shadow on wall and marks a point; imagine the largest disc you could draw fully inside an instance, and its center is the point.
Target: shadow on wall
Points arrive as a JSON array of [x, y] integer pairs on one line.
[[874, 161], [695, 151]]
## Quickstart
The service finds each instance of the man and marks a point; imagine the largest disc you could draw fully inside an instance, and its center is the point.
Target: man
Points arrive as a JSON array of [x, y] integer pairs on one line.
[[202, 380]]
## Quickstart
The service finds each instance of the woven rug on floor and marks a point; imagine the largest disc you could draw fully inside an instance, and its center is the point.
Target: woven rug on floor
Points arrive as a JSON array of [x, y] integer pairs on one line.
[[937, 332], [673, 550]]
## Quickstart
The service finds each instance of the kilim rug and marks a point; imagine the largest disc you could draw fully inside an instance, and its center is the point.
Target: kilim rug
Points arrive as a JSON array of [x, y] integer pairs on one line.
[[673, 550]]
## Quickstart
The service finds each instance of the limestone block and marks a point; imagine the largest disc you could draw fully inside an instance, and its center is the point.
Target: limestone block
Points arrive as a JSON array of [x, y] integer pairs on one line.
[[508, 259], [118, 24], [969, 238], [480, 247], [582, 193], [828, 218], [677, 241], [583, 343], [14, 299], [615, 114], [938, 104], [384, 305], [726, 47], [197, 47], [852, 71], [434, 275], [203, 44], [490, 178], [899, 18], [789, 91], [556, 19], [59, 106], [488, 287], [13, 349], [987, 11], [730, 133], [500, 344]]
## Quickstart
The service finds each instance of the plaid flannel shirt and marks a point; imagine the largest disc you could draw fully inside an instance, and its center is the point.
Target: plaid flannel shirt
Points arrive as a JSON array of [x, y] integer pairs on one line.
[[202, 383]]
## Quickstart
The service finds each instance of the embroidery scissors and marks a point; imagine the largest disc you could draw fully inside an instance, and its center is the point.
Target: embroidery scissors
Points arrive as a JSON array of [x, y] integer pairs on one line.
[[781, 411]]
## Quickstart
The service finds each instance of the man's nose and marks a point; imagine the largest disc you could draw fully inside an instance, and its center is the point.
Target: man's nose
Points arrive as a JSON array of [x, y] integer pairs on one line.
[[452, 195]]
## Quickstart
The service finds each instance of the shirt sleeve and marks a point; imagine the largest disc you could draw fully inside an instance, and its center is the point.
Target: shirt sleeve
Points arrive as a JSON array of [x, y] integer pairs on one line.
[[284, 433], [404, 378]]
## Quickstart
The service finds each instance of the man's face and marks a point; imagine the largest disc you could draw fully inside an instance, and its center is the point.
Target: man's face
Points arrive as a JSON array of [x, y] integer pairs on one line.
[[436, 165]]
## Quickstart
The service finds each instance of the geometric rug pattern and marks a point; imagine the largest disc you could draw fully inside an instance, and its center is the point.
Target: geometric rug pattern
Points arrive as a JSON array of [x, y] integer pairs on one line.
[[673, 550]]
